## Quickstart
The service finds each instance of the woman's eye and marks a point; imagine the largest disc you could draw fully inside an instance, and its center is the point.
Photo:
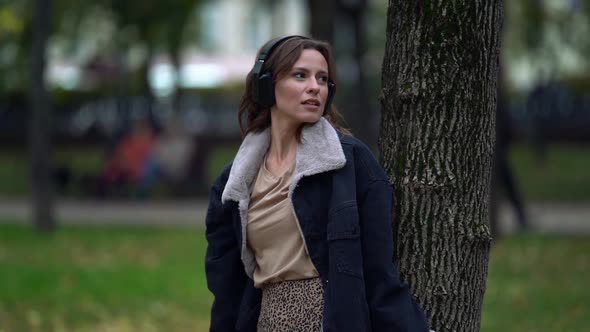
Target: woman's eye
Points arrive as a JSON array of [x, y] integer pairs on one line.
[[299, 75], [323, 79]]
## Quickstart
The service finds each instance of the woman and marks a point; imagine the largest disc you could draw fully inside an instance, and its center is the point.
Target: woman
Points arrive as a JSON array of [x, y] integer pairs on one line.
[[299, 225]]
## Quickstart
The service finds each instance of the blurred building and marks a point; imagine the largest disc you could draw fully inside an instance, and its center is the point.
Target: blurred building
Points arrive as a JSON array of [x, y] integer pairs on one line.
[[233, 27], [230, 32]]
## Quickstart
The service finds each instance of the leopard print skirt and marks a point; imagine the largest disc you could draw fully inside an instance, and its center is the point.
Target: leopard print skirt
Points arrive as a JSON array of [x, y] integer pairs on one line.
[[292, 306]]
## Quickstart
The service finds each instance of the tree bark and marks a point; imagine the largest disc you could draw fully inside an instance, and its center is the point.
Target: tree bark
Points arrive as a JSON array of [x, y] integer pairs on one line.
[[437, 135], [40, 124]]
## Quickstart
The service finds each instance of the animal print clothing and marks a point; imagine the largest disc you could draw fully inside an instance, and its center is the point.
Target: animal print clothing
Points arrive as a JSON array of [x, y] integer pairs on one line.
[[292, 306]]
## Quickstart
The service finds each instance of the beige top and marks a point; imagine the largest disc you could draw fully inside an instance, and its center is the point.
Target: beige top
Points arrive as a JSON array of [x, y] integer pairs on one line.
[[273, 233]]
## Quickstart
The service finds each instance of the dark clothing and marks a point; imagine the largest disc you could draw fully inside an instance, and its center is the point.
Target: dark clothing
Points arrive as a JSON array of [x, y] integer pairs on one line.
[[502, 175], [345, 217]]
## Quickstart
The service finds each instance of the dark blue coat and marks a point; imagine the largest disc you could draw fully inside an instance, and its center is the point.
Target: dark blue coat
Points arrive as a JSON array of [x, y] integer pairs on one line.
[[345, 216]]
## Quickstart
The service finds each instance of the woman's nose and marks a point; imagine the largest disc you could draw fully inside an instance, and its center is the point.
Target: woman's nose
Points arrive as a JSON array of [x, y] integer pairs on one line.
[[313, 87]]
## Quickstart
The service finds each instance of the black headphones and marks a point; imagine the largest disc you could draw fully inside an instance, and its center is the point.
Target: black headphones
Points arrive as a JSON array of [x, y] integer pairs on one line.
[[263, 88]]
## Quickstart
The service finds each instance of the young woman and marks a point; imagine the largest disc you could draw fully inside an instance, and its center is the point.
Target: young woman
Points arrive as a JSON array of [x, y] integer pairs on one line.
[[299, 225]]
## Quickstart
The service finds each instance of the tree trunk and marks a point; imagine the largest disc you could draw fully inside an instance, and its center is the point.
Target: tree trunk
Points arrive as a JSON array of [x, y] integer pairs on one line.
[[175, 50], [40, 124], [437, 135], [321, 19]]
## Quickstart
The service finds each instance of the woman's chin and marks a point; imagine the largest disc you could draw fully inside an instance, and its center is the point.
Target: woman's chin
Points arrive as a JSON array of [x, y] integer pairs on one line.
[[311, 118]]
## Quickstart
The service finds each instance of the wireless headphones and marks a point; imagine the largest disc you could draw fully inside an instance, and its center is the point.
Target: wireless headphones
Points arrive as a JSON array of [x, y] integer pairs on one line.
[[262, 86]]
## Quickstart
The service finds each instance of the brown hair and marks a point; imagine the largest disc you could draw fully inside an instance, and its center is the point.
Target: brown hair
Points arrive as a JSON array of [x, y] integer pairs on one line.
[[280, 62]]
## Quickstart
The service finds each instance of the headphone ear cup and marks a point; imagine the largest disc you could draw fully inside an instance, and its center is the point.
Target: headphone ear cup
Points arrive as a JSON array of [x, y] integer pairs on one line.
[[331, 93], [266, 90]]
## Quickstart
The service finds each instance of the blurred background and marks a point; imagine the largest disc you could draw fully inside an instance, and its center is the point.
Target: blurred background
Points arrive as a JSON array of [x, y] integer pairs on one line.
[[128, 110]]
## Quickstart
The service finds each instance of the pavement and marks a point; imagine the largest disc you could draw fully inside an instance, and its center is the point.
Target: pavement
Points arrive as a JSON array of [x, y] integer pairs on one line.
[[89, 212], [562, 218]]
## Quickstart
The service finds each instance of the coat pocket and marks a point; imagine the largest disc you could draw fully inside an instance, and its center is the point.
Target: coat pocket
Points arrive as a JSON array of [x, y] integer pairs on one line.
[[343, 234]]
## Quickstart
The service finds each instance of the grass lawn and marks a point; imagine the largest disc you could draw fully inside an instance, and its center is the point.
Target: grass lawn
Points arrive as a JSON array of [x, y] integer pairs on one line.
[[103, 279], [561, 176], [15, 168], [538, 283], [152, 279]]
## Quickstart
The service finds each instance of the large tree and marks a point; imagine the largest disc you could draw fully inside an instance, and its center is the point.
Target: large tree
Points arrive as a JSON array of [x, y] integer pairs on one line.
[[437, 135]]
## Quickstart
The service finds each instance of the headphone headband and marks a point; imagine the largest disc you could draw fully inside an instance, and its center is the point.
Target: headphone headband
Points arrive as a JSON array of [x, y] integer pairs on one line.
[[270, 47]]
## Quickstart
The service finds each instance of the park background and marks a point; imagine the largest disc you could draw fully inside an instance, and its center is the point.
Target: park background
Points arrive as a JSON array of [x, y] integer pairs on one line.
[[130, 257]]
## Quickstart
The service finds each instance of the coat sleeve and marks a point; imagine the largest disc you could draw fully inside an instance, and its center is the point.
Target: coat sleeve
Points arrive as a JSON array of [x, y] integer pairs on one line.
[[226, 277], [391, 304]]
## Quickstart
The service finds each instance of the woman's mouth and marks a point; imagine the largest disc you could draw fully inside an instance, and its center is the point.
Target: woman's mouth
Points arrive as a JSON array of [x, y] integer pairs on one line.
[[311, 104]]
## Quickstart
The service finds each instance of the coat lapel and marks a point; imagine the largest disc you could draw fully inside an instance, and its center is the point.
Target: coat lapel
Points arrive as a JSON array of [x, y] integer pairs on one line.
[[319, 151]]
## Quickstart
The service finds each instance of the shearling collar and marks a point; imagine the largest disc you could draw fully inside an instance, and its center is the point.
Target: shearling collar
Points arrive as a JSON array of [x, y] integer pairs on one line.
[[319, 151]]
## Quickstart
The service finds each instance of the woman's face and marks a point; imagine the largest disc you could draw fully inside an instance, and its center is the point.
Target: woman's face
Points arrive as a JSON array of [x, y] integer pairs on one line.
[[301, 95]]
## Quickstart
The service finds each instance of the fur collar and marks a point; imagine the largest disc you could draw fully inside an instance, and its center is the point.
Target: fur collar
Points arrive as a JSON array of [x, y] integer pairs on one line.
[[319, 151]]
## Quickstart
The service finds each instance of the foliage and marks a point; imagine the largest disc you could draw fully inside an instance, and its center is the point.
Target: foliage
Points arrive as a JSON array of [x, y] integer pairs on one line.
[[546, 40], [152, 279], [86, 30]]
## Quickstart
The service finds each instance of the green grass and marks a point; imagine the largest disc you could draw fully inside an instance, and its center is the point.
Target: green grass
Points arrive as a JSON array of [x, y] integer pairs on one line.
[[563, 175], [538, 283], [152, 279], [14, 173], [122, 279], [219, 159], [15, 167]]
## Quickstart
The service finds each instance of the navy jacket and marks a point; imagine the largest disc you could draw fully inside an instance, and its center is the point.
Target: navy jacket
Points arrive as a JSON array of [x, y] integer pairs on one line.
[[344, 209]]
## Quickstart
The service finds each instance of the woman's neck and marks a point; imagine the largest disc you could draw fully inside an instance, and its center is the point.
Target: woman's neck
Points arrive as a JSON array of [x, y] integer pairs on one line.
[[283, 142]]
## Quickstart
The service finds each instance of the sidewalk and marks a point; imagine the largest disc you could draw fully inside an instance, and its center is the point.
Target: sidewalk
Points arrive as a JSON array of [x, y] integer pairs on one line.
[[183, 213], [550, 217], [563, 218]]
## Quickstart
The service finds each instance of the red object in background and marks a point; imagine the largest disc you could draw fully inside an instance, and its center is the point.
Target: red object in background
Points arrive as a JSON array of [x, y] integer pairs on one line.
[[129, 158]]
